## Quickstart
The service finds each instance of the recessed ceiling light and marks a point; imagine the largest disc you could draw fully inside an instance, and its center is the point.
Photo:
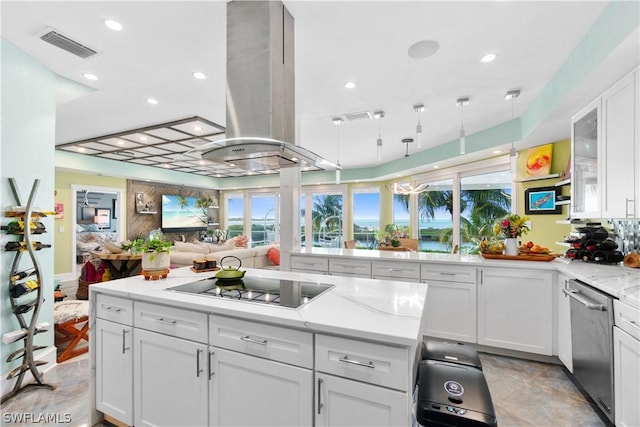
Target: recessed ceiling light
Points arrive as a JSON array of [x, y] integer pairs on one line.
[[197, 128], [350, 85], [166, 165], [143, 138], [120, 142], [90, 76], [198, 75], [81, 149], [488, 57], [152, 101], [436, 166], [497, 152], [113, 25]]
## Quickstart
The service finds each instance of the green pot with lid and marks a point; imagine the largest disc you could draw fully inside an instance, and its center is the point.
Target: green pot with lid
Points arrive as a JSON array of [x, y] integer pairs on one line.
[[230, 272]]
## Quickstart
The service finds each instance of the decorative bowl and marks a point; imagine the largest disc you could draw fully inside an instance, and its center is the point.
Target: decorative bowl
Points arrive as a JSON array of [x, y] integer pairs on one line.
[[113, 248]]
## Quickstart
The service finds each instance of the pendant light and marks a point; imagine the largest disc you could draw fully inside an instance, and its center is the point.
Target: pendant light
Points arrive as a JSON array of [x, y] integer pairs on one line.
[[378, 115], [406, 142], [513, 155], [461, 102], [337, 121], [418, 108]]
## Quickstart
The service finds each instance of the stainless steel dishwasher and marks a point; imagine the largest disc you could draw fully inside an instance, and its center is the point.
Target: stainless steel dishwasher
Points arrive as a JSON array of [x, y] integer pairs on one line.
[[592, 342]]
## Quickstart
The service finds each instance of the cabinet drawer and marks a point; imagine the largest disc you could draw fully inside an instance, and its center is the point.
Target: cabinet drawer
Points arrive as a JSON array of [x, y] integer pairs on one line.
[[448, 273], [177, 322], [116, 309], [350, 266], [268, 341], [363, 361], [627, 318], [399, 270], [310, 263]]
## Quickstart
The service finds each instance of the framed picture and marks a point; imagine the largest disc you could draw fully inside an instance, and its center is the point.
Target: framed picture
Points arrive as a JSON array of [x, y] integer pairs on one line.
[[541, 201], [59, 210], [539, 160]]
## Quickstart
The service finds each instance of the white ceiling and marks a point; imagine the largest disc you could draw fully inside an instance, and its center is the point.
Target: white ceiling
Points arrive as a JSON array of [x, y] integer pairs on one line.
[[366, 41]]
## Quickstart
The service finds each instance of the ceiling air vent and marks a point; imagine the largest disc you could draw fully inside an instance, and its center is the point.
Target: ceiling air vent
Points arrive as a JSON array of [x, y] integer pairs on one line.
[[358, 116], [71, 46]]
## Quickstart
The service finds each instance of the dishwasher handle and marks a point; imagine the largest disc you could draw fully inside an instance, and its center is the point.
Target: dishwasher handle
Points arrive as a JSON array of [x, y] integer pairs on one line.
[[575, 294]]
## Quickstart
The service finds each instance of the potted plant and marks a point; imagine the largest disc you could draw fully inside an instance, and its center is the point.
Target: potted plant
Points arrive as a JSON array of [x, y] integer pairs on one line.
[[154, 251]]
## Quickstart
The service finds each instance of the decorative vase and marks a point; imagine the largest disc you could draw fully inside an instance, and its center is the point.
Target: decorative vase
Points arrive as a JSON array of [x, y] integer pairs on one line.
[[511, 246], [155, 261]]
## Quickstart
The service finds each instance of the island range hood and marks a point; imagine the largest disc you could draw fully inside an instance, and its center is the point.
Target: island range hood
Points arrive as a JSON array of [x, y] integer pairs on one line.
[[260, 127]]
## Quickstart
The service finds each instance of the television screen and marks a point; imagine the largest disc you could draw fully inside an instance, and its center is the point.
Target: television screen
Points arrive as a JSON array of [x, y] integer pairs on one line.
[[182, 213]]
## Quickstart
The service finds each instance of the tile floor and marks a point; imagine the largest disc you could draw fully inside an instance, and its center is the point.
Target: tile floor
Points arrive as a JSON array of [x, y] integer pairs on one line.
[[524, 393]]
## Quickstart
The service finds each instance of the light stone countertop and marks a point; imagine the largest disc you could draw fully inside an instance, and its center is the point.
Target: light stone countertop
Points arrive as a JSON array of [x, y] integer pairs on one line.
[[384, 311], [616, 280]]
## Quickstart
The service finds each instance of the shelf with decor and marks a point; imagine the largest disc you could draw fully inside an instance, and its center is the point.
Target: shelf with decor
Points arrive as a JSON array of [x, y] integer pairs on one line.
[[539, 178], [25, 291]]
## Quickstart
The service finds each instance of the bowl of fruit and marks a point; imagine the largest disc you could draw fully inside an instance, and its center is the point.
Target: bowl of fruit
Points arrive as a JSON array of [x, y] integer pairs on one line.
[[531, 248]]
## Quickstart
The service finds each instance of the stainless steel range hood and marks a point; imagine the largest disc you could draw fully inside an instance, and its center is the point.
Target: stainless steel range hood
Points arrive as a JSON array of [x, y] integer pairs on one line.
[[260, 127]]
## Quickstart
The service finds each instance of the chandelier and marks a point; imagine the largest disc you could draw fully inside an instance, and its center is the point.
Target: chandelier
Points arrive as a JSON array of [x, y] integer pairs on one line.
[[407, 189]]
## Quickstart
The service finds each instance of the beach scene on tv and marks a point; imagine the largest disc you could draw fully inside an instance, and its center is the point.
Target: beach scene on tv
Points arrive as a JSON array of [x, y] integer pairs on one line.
[[183, 212]]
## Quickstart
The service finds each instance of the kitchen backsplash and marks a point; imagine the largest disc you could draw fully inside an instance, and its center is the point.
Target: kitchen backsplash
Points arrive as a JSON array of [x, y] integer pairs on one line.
[[626, 234]]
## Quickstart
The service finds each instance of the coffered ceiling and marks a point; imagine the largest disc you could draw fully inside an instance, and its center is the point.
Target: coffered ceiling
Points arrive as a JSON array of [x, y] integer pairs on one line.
[[163, 43]]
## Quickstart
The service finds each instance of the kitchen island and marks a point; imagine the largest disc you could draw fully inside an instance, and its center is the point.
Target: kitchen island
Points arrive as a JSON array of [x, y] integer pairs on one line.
[[163, 357]]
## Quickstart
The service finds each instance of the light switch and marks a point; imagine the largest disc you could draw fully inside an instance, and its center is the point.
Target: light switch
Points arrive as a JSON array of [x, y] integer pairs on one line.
[[61, 229]]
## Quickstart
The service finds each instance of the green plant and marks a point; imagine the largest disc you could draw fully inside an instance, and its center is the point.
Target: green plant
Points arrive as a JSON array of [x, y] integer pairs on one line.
[[156, 245]]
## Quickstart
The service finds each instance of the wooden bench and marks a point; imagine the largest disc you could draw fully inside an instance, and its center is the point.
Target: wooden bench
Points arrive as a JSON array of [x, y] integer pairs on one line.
[[71, 320]]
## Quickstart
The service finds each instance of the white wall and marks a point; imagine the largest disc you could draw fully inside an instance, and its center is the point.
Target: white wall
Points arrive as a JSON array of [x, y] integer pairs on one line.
[[27, 153]]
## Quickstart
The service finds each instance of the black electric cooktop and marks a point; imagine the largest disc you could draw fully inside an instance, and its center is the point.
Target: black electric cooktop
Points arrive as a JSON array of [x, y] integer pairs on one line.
[[278, 292]]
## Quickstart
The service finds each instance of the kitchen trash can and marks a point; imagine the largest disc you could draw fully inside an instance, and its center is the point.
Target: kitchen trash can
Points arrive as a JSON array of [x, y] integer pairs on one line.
[[453, 395], [451, 352]]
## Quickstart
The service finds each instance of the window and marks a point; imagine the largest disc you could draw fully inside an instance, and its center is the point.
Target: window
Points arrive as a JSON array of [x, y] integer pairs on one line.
[[366, 216], [234, 214], [435, 217], [326, 219], [264, 215]]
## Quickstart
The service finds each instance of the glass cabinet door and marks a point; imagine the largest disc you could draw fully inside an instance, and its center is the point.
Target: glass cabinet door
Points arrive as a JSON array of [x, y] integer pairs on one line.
[[585, 186]]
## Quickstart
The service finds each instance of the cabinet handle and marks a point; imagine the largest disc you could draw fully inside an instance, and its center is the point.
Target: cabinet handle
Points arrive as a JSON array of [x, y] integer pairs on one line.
[[116, 309], [481, 277], [166, 322], [447, 274], [346, 359], [320, 404], [247, 338], [211, 373], [198, 370], [626, 208], [124, 341], [575, 294], [631, 322]]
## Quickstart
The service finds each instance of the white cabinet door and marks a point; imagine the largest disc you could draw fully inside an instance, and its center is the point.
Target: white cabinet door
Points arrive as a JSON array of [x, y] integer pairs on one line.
[[619, 171], [626, 372], [350, 267], [170, 381], [451, 311], [515, 309], [586, 161], [564, 325], [343, 402], [114, 367], [250, 391]]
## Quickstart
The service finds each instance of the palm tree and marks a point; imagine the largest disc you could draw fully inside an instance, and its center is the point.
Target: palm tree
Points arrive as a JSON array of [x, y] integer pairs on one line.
[[327, 212]]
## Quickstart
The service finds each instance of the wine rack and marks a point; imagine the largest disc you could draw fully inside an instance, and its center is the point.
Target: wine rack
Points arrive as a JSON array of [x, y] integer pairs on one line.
[[25, 290]]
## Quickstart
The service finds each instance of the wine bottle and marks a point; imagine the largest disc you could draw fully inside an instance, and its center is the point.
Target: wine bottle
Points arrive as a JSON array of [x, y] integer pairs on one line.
[[36, 227], [22, 288], [607, 257], [24, 308], [22, 274], [22, 246]]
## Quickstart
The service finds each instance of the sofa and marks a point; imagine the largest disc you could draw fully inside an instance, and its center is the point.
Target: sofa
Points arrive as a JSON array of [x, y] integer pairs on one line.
[[183, 253]]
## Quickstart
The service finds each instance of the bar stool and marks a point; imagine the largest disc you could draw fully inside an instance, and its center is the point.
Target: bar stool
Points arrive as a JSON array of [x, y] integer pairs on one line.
[[71, 320]]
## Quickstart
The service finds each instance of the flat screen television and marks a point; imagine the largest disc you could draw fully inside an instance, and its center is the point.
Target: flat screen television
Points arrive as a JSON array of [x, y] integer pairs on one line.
[[179, 213]]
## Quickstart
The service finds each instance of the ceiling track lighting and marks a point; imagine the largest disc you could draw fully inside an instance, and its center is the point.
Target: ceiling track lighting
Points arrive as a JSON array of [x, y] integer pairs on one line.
[[406, 142], [418, 108], [462, 102], [378, 115], [337, 121]]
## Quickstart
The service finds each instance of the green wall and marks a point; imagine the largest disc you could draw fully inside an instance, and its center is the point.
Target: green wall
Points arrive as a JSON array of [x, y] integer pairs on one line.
[[64, 194]]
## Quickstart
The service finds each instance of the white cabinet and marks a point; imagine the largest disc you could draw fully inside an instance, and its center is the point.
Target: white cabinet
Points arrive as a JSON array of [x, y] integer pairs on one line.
[[396, 270], [620, 176], [451, 309], [250, 391], [170, 380], [309, 264], [586, 152], [350, 267], [114, 357], [114, 366], [626, 364], [515, 309], [343, 402], [362, 383], [564, 324]]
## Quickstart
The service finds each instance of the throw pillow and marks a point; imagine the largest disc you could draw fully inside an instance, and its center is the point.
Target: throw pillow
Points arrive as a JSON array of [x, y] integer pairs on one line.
[[274, 256], [241, 241]]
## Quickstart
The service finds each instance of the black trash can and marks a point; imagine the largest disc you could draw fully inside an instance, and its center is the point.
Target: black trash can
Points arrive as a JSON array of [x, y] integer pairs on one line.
[[451, 352], [453, 395]]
